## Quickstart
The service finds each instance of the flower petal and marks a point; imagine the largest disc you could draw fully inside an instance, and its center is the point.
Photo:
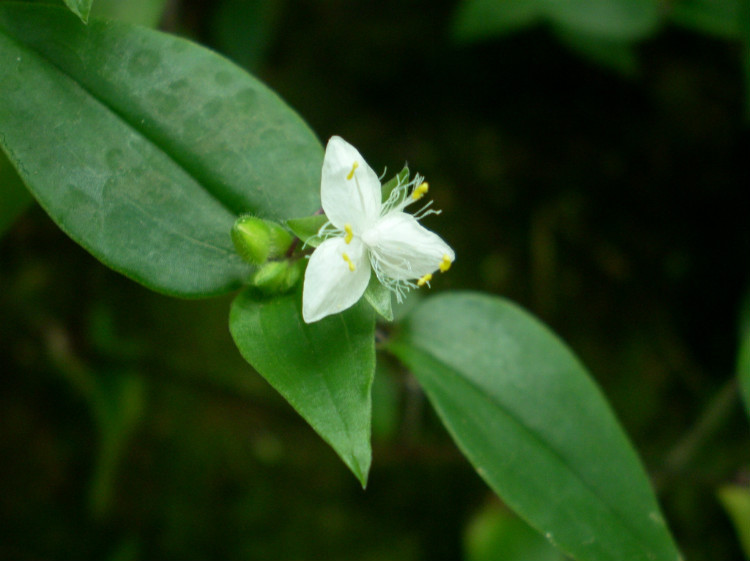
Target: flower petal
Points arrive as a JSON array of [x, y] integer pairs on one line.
[[331, 286], [403, 249], [349, 188]]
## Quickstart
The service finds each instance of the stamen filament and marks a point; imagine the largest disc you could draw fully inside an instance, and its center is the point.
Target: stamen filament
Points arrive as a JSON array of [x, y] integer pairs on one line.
[[355, 165]]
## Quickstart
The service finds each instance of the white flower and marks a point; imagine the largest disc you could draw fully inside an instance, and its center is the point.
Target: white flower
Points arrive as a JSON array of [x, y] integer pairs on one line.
[[363, 232]]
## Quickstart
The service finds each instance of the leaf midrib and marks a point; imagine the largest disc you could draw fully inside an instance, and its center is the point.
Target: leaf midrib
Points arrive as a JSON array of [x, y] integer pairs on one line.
[[121, 116]]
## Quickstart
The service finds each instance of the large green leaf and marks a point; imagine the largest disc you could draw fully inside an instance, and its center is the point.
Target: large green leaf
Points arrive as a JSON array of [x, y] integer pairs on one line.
[[324, 369], [145, 147], [535, 426]]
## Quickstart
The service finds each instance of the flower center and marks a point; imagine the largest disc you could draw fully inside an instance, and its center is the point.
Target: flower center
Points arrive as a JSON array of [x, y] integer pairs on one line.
[[369, 237]]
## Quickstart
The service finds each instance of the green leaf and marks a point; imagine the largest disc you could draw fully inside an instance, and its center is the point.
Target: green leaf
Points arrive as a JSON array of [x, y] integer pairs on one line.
[[535, 426], [736, 501], [14, 197], [379, 297], [306, 229], [144, 147], [497, 534], [81, 8], [324, 369]]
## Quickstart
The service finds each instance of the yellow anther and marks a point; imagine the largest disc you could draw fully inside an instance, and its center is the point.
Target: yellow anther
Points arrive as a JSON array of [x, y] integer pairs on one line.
[[424, 280], [445, 264], [355, 165], [419, 192], [349, 261], [349, 233]]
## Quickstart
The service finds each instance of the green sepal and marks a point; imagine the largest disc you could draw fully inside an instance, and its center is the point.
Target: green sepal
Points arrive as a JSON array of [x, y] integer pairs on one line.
[[258, 240], [379, 297], [399, 179], [278, 277], [307, 228]]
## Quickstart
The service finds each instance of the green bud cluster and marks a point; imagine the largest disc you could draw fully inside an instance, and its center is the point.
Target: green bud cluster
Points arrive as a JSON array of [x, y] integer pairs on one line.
[[258, 240], [265, 244]]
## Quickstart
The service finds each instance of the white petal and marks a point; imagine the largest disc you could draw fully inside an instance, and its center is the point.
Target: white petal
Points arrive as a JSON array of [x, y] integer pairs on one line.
[[330, 284], [348, 197], [402, 249]]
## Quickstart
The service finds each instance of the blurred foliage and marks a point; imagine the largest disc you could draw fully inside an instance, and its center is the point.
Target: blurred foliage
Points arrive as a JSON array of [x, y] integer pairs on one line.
[[613, 205], [743, 356], [244, 29], [496, 534], [14, 198], [736, 501], [141, 12], [722, 18]]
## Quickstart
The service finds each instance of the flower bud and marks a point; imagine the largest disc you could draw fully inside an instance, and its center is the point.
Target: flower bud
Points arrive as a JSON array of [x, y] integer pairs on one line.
[[258, 240], [277, 277]]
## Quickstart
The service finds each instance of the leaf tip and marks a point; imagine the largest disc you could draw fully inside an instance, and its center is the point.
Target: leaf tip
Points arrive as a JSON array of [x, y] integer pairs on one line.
[[360, 467]]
